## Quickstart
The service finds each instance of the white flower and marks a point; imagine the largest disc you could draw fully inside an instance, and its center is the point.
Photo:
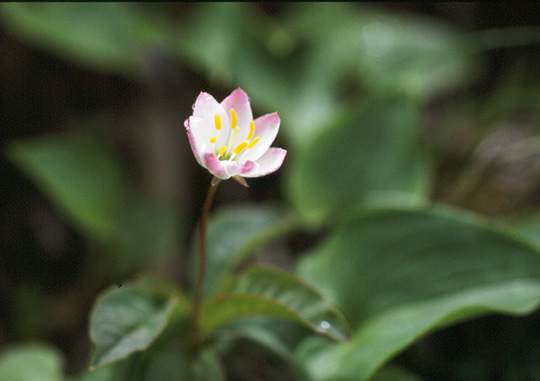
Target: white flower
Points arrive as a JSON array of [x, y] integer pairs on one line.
[[228, 142]]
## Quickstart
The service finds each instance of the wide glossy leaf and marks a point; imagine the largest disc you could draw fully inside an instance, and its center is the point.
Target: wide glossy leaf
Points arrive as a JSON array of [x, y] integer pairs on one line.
[[127, 320], [276, 335], [273, 293], [31, 361], [400, 274], [233, 234], [371, 157]]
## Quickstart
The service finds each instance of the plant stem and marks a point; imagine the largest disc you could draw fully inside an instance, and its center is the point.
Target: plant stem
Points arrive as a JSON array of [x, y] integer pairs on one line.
[[197, 296]]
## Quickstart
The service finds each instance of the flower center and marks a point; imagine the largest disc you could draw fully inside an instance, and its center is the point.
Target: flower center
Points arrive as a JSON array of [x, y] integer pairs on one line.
[[226, 152]]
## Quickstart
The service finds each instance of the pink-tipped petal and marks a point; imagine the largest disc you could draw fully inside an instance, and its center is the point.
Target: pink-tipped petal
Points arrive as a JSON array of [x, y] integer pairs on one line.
[[266, 127], [270, 162], [239, 101], [247, 167], [215, 166], [193, 141]]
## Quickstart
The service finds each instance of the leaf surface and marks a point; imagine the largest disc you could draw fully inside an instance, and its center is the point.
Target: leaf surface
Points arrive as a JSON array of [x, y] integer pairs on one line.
[[400, 274]]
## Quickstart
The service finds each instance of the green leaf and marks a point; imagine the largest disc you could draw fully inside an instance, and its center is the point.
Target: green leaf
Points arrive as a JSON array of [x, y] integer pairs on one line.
[[31, 361], [386, 51], [276, 335], [80, 175], [214, 37], [179, 366], [400, 274], [372, 157], [233, 234], [529, 226], [105, 36], [126, 320], [273, 293], [124, 370], [84, 178]]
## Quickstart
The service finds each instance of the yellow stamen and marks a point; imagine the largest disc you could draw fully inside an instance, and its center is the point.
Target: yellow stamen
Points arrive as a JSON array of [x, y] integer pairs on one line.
[[212, 139], [251, 130], [217, 122], [253, 142], [233, 118], [239, 148], [234, 135], [222, 150]]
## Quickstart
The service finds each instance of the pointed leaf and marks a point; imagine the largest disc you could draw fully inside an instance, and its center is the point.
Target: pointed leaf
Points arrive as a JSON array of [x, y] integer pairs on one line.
[[126, 320], [273, 293], [398, 275]]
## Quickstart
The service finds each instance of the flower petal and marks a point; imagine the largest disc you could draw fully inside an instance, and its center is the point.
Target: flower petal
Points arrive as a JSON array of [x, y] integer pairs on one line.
[[266, 127], [239, 100], [205, 106], [225, 169], [214, 165], [194, 141], [270, 162]]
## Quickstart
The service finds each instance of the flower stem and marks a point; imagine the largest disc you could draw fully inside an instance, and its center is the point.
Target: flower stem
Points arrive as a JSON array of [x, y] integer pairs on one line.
[[197, 296]]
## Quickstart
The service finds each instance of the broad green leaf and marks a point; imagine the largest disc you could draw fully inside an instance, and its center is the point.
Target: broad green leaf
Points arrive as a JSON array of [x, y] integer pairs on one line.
[[273, 293], [372, 157], [81, 176], [233, 234], [400, 274], [127, 320], [85, 180], [105, 36], [31, 361], [182, 367], [277, 335], [530, 227]]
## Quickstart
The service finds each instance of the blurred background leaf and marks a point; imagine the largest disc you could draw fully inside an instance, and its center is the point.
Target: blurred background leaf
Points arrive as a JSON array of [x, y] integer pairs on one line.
[[85, 179], [31, 361], [111, 37], [371, 157]]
